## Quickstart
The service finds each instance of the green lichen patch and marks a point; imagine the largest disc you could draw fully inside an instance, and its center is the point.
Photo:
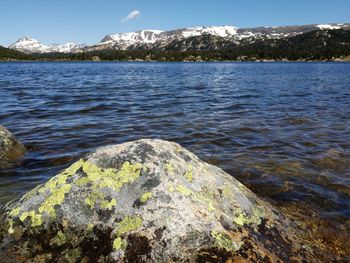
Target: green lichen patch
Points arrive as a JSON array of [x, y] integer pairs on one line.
[[56, 198], [119, 243], [57, 187], [145, 197], [241, 218], [128, 224], [227, 192], [222, 240], [108, 205], [106, 178], [206, 199], [61, 178], [90, 227], [15, 232], [169, 168], [14, 212], [189, 174], [71, 170], [10, 229], [183, 190], [93, 198], [36, 219], [59, 239], [109, 178]]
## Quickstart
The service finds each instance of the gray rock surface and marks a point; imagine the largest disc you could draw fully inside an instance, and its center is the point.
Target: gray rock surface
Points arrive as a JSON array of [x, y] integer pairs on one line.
[[11, 150], [144, 201]]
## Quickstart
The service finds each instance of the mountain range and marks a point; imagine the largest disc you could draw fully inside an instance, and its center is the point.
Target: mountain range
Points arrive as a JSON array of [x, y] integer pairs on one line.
[[193, 38]]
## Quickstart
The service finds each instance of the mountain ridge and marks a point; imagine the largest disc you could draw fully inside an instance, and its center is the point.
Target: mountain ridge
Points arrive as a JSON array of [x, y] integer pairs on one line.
[[158, 39]]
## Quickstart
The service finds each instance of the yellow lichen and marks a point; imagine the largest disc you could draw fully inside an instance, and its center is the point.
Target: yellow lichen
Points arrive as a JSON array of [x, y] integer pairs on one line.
[[222, 240], [14, 212], [109, 178], [93, 172], [57, 187], [90, 226], [206, 197], [183, 190], [61, 178], [10, 229], [169, 168], [145, 197], [128, 224], [226, 191], [128, 173], [93, 198], [82, 181], [206, 200], [74, 168], [108, 205], [171, 189], [240, 217], [117, 243], [36, 219], [56, 198], [189, 174], [59, 239]]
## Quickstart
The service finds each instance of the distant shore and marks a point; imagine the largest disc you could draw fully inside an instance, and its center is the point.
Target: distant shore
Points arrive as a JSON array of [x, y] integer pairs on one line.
[[157, 61]]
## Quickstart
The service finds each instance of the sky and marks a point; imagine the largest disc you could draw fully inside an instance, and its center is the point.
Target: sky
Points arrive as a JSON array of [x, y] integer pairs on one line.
[[88, 21]]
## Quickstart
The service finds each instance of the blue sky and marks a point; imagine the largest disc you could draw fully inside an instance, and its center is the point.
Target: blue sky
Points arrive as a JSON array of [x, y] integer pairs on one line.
[[87, 21]]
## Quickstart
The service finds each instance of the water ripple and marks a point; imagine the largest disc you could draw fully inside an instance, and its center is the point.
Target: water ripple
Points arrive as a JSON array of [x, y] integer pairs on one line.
[[283, 129]]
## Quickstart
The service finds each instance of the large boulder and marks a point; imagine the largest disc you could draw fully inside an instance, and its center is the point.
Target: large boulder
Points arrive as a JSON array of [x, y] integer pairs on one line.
[[144, 201], [11, 150]]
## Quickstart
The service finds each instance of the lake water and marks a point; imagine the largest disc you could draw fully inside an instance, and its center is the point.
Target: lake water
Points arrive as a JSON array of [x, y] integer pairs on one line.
[[283, 129]]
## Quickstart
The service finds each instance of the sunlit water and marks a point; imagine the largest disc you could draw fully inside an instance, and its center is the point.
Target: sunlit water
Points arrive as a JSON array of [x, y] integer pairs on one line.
[[283, 129]]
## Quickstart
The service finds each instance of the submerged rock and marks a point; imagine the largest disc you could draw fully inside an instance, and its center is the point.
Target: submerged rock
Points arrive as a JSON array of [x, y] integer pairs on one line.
[[11, 150], [144, 201]]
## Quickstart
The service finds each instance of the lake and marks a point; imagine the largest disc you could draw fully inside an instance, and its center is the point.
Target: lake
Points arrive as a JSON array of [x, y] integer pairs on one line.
[[282, 129]]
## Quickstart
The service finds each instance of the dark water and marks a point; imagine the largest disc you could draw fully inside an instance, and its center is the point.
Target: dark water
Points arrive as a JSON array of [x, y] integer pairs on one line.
[[283, 129]]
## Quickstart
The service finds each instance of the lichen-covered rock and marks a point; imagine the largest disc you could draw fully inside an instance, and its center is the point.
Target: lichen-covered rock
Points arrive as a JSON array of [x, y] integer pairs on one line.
[[144, 201], [10, 148]]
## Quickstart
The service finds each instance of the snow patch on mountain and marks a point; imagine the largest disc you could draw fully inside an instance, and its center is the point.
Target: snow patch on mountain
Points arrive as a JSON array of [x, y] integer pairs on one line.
[[30, 45], [327, 26], [144, 36], [222, 31]]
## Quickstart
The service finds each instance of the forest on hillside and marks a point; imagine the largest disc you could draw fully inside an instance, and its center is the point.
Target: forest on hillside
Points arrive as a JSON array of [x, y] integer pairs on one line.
[[320, 45]]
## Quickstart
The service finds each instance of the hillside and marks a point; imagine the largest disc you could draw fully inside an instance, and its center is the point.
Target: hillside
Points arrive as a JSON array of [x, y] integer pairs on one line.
[[9, 54], [318, 45]]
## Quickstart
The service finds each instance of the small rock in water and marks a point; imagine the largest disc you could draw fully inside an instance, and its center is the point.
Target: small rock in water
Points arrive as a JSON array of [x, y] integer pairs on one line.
[[11, 150], [145, 201]]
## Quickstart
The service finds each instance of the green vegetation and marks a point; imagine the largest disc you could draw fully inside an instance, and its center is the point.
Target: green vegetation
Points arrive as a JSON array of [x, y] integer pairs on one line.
[[9, 54], [317, 45]]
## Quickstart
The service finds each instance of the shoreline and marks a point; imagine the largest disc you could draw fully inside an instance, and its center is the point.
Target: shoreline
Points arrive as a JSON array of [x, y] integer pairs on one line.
[[180, 61]]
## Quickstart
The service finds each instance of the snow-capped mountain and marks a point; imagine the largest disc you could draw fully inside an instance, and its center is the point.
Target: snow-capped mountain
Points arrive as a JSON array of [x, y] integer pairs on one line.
[[157, 39], [144, 36], [126, 40], [29, 45], [149, 39]]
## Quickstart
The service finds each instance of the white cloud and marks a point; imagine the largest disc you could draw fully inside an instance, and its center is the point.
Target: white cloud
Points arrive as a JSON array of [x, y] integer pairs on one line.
[[132, 15]]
